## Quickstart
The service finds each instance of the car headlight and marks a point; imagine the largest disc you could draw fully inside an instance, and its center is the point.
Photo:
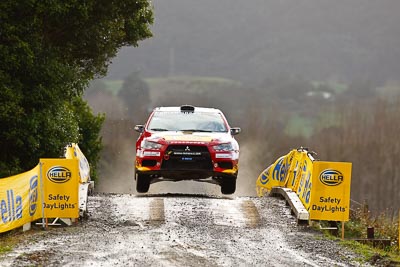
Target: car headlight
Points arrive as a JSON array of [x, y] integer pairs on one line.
[[223, 147], [150, 145]]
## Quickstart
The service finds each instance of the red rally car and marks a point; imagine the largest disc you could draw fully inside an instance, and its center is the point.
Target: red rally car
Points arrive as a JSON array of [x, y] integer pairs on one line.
[[187, 143]]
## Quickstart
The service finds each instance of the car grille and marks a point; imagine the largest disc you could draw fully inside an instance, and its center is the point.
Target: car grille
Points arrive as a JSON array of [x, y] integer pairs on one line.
[[149, 163], [187, 157], [225, 164]]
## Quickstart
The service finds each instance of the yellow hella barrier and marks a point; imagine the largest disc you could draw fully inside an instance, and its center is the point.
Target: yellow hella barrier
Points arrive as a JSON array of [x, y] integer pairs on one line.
[[275, 174], [74, 152], [20, 199], [322, 187], [287, 171], [50, 190]]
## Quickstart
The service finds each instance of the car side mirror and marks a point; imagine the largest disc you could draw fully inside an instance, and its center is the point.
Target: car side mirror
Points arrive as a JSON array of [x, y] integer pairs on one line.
[[139, 128], [235, 130]]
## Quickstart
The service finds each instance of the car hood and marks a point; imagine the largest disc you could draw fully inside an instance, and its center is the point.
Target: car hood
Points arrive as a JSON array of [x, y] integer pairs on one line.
[[192, 137]]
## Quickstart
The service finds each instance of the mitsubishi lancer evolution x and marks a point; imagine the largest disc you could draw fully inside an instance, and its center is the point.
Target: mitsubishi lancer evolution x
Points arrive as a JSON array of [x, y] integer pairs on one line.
[[187, 143]]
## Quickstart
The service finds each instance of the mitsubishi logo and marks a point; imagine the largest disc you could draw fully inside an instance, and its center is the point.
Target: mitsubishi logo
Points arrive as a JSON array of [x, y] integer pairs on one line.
[[187, 148]]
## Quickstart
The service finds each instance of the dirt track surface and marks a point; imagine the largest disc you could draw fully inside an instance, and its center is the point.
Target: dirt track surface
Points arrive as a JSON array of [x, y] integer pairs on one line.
[[181, 230]]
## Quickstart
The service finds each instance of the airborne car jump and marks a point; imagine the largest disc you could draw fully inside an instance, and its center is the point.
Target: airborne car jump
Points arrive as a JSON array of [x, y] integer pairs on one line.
[[187, 143]]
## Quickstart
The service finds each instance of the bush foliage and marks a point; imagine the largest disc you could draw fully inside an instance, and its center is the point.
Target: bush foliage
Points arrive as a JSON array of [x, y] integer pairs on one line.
[[49, 51]]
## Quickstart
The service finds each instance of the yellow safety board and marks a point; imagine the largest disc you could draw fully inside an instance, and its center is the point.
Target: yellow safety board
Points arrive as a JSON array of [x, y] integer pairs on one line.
[[330, 191], [61, 186]]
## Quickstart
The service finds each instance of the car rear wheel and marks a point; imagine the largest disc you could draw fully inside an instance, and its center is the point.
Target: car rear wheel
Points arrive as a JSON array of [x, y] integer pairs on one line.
[[228, 186], [142, 183]]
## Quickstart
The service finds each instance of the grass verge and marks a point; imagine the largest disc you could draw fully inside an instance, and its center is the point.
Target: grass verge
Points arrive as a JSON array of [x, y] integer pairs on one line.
[[386, 226]]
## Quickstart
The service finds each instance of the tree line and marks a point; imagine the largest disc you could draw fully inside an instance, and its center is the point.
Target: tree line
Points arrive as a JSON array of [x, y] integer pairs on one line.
[[49, 51]]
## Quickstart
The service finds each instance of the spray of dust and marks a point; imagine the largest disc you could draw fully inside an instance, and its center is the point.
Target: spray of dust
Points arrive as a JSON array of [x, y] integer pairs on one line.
[[116, 165], [250, 153], [118, 177]]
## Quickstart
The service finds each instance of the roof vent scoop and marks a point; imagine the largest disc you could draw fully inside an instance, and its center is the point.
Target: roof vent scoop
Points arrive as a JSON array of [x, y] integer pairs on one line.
[[187, 108]]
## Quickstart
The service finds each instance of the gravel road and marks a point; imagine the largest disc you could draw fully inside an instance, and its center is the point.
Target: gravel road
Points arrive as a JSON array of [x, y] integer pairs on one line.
[[181, 230]]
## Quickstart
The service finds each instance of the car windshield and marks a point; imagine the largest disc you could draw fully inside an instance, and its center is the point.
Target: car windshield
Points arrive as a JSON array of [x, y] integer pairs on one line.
[[187, 121]]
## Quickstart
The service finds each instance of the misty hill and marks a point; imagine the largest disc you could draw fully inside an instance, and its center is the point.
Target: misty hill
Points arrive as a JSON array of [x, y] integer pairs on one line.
[[340, 40]]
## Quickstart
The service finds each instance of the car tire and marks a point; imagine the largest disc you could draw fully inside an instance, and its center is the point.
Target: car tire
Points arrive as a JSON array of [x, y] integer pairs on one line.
[[142, 183], [228, 186]]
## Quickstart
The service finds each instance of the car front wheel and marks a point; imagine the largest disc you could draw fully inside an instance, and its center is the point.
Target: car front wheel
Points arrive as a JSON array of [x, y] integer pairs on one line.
[[142, 183], [228, 186]]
